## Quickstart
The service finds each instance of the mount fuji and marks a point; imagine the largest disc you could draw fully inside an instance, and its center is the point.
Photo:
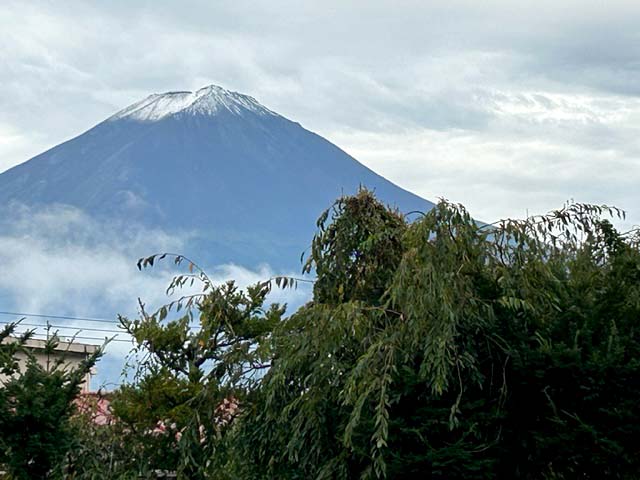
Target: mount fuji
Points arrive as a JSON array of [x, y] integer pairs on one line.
[[247, 183]]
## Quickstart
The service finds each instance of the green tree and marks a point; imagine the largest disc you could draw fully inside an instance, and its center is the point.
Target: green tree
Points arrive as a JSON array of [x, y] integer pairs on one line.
[[102, 451], [192, 355], [36, 406], [438, 348], [447, 349], [10, 345]]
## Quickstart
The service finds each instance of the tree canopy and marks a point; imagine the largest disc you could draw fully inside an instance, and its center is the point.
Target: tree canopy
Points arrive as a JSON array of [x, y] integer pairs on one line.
[[451, 349], [433, 348], [37, 403]]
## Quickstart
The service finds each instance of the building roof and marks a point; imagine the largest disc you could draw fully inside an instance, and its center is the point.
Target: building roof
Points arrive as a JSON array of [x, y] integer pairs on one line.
[[62, 346]]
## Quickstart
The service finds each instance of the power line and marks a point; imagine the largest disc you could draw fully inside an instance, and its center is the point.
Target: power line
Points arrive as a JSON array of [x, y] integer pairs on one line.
[[63, 317], [69, 327], [102, 339], [59, 317]]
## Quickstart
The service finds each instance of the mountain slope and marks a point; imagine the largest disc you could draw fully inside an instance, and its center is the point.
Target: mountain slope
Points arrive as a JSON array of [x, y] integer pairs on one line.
[[246, 181]]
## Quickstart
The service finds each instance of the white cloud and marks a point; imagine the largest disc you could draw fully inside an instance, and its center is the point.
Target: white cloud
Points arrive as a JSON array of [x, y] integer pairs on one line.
[[16, 144], [60, 262], [537, 150]]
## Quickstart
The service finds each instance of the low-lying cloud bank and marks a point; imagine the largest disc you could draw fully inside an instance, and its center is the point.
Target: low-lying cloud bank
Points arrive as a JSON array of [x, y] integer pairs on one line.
[[58, 261]]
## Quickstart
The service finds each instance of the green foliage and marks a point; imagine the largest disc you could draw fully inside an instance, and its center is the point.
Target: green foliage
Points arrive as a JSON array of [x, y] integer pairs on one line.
[[192, 354], [460, 351], [10, 345], [36, 405], [438, 348], [355, 254], [105, 452]]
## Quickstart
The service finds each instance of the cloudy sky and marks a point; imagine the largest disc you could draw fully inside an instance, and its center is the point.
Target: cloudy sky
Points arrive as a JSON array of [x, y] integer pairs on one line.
[[507, 106]]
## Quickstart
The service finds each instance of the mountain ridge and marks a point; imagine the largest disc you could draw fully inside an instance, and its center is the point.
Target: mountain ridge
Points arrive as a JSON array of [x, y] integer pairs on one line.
[[249, 180]]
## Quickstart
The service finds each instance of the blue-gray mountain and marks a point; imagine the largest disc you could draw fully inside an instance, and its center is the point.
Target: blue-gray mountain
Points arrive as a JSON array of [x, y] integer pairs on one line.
[[249, 182]]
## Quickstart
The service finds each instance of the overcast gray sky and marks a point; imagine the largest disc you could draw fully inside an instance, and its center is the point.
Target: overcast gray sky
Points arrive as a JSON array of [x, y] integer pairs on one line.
[[503, 106]]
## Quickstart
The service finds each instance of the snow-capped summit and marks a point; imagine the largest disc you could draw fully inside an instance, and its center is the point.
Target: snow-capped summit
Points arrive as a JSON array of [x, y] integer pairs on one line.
[[208, 100]]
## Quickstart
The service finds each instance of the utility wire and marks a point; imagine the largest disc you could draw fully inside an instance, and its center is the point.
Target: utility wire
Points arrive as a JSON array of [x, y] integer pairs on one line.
[[60, 317], [77, 319], [69, 327], [102, 339]]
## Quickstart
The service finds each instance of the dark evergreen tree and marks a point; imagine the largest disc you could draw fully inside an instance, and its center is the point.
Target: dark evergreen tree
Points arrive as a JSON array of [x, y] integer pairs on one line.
[[36, 406]]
